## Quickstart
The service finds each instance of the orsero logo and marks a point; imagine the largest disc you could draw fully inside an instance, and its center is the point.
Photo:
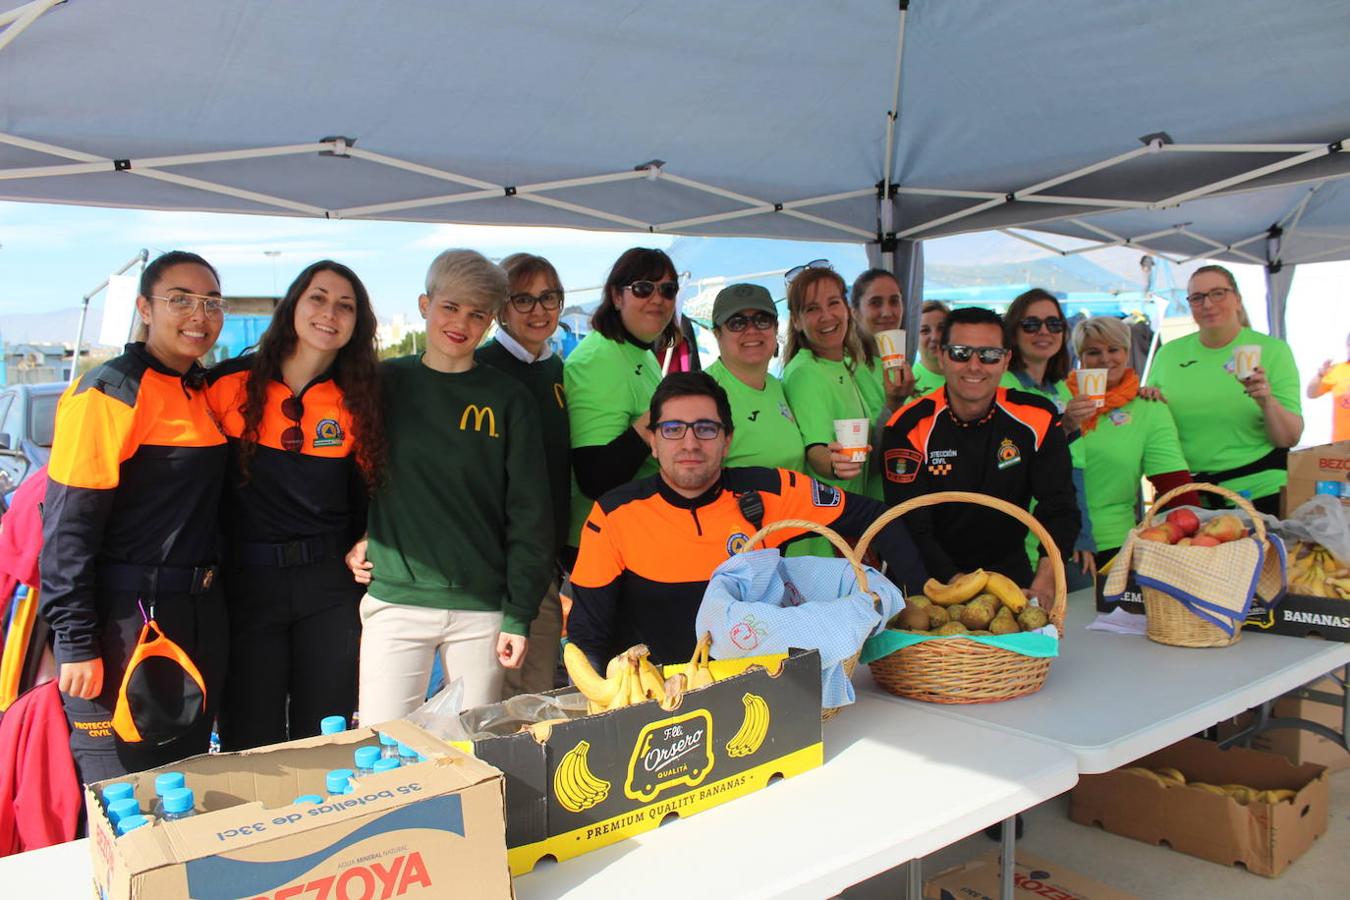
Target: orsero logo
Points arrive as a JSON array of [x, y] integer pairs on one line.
[[669, 753]]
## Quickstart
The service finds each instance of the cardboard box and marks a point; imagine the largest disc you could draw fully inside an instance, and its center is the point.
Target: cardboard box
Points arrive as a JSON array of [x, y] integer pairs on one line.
[[1328, 463], [1131, 598], [1034, 879], [432, 829], [1295, 744], [1262, 837], [601, 779], [1303, 615]]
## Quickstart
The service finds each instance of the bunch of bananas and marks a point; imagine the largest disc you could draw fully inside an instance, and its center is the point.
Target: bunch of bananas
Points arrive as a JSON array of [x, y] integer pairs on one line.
[[1169, 777], [630, 678], [753, 728], [1313, 569], [574, 784]]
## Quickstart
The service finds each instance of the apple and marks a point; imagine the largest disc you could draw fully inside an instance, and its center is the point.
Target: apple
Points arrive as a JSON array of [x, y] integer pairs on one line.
[[1185, 519], [1174, 532], [1224, 528], [1185, 542], [1205, 540], [1157, 533]]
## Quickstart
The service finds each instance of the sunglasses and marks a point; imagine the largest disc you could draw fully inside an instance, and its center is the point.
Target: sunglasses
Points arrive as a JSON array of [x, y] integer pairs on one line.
[[813, 264], [674, 429], [644, 289], [1032, 324], [760, 321], [962, 353], [293, 438], [549, 300]]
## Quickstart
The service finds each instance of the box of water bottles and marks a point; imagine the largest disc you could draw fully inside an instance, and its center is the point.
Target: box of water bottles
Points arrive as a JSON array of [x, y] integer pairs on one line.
[[388, 811]]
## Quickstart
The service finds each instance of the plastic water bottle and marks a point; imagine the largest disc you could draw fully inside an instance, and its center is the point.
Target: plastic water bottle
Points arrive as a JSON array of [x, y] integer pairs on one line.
[[131, 823], [339, 782], [179, 803], [120, 809], [332, 725], [308, 798], [388, 746], [387, 764], [366, 758], [406, 755], [118, 790], [214, 746], [163, 784]]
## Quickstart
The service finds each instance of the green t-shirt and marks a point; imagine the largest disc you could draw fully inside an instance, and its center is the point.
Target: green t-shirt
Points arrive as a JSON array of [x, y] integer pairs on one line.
[[766, 433], [925, 380], [1219, 425], [1136, 440], [820, 391], [463, 519], [609, 386]]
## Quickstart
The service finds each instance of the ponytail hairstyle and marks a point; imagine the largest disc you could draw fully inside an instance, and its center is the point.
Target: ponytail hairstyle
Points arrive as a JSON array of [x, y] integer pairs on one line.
[[858, 346]]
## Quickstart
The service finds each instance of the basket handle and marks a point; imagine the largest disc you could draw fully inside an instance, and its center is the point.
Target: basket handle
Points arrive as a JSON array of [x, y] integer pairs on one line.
[[839, 544], [1059, 602], [1237, 499]]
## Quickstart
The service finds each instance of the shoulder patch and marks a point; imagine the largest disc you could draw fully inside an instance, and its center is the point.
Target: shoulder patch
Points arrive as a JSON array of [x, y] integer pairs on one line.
[[825, 495], [902, 465]]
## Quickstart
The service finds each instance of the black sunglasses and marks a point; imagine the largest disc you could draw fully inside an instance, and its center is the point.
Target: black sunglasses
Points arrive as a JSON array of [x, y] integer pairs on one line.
[[1032, 324], [761, 321], [962, 353], [644, 289], [813, 264], [549, 300], [293, 438]]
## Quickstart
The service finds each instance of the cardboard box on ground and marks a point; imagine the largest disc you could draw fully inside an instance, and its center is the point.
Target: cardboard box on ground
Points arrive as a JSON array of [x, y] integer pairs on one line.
[[1329, 463], [1265, 838], [1297, 745], [431, 829], [1033, 877]]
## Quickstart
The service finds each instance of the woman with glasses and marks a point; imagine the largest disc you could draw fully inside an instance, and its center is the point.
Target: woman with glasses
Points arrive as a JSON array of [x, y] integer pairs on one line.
[[302, 415], [1236, 433], [130, 519], [612, 374], [1035, 328], [745, 323], [520, 348], [1123, 441]]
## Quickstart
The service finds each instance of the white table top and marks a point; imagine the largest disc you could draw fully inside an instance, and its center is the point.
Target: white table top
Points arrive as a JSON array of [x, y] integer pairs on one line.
[[1112, 698], [898, 783]]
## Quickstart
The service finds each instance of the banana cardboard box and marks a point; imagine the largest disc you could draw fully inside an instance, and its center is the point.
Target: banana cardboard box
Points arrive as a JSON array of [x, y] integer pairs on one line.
[[1303, 615], [597, 780], [432, 829], [1233, 807]]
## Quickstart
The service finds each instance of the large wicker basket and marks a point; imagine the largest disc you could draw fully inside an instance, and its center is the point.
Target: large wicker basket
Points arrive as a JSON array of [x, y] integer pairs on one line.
[[846, 551], [1169, 621], [954, 670]]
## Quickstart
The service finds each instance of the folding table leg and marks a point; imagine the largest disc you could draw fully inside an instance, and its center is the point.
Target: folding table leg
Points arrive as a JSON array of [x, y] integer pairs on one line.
[[1005, 878], [914, 879]]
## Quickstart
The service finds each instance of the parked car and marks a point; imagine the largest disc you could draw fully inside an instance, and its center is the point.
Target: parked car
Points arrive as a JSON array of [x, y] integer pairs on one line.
[[27, 420]]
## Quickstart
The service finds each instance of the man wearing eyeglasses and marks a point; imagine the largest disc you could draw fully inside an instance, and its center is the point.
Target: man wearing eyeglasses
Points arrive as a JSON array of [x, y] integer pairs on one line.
[[973, 435], [649, 547]]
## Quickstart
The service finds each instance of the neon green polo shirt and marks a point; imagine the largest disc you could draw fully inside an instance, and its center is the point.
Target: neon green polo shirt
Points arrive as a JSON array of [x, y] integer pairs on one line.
[[925, 380], [1219, 425], [820, 391], [1136, 440], [765, 431]]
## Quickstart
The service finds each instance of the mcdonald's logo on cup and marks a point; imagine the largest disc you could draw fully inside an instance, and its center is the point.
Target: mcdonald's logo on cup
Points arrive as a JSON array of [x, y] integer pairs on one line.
[[479, 413], [892, 346], [1092, 384], [1246, 357]]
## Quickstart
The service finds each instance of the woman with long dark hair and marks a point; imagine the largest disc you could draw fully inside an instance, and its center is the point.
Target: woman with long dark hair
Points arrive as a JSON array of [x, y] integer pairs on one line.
[[302, 415]]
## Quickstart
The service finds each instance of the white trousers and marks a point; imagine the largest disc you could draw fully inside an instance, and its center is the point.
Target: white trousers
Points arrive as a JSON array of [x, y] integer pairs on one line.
[[535, 675]]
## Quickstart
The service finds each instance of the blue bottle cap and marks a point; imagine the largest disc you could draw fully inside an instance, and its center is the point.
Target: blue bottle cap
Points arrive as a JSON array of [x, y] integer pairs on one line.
[[131, 823], [336, 781], [308, 798], [179, 800], [118, 790], [120, 809], [367, 757], [387, 740], [405, 750], [168, 782], [386, 764], [332, 725]]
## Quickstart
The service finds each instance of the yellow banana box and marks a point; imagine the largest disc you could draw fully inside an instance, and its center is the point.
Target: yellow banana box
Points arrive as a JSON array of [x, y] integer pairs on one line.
[[597, 780], [1303, 615]]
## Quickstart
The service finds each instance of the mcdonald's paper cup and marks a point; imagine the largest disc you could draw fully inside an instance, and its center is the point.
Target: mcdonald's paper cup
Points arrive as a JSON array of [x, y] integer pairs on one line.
[[892, 346], [1092, 383], [1246, 357], [852, 436]]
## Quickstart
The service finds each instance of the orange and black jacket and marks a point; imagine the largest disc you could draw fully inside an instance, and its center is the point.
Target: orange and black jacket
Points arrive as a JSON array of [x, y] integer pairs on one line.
[[135, 477], [647, 552], [288, 495], [1017, 452]]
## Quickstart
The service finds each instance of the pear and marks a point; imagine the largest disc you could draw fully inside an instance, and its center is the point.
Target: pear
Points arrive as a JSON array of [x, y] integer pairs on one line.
[[1004, 623], [911, 618], [937, 616], [1033, 618], [977, 616], [951, 628]]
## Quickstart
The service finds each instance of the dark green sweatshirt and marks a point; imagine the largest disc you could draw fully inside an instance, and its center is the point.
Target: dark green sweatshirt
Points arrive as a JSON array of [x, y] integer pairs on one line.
[[463, 520]]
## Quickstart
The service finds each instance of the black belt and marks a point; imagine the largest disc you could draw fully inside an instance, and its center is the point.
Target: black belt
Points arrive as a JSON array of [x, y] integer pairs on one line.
[[156, 579], [1275, 459], [291, 553]]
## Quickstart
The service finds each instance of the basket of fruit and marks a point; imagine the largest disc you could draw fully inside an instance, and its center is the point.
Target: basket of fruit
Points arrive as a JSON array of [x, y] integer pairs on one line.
[[977, 639], [1199, 578]]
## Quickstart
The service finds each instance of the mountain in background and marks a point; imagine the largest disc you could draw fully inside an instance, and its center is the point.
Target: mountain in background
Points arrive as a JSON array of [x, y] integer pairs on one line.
[[55, 327]]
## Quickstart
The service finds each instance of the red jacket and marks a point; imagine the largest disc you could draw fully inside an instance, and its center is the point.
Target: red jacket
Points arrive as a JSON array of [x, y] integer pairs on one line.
[[21, 536], [40, 795]]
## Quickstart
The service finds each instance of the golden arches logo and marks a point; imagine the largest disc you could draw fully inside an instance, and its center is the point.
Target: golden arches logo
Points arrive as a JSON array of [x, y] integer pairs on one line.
[[560, 396], [479, 413]]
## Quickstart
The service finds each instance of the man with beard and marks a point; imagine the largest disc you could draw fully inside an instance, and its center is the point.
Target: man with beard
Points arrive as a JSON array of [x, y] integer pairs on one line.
[[649, 547]]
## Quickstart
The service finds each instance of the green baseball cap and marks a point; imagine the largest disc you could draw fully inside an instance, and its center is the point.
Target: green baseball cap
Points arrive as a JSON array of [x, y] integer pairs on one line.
[[736, 298]]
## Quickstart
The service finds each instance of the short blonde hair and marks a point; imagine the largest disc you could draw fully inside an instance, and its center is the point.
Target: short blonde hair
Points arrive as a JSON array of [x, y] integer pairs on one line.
[[468, 276], [1102, 328]]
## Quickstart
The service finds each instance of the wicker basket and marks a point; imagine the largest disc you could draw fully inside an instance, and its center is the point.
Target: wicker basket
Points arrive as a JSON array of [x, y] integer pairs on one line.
[[1169, 621], [847, 552], [963, 671]]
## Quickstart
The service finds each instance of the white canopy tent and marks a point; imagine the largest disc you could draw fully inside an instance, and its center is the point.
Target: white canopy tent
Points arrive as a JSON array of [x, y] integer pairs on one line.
[[1207, 128]]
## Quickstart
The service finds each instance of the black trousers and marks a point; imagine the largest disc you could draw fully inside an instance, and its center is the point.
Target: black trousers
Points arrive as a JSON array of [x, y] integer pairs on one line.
[[294, 636], [198, 624]]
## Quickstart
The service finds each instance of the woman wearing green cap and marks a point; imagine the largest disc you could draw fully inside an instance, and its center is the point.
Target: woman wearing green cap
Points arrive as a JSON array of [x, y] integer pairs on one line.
[[745, 323]]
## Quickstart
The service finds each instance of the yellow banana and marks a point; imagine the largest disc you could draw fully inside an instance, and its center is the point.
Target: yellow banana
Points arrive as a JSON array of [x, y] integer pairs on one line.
[[652, 683], [636, 692], [958, 590], [673, 691], [574, 784], [1150, 775], [596, 689], [753, 728], [1170, 774], [1210, 788], [623, 694], [1279, 796], [1007, 592], [699, 673]]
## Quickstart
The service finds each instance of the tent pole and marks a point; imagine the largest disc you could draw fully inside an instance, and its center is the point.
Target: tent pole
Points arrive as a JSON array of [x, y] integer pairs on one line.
[[84, 309], [19, 19]]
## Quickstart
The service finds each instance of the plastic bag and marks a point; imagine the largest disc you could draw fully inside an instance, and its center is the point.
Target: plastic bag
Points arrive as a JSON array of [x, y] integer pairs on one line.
[[440, 714], [510, 716], [1321, 520]]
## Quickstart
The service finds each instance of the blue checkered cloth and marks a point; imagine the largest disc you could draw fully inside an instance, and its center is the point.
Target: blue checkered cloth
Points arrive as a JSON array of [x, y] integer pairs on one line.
[[759, 603]]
